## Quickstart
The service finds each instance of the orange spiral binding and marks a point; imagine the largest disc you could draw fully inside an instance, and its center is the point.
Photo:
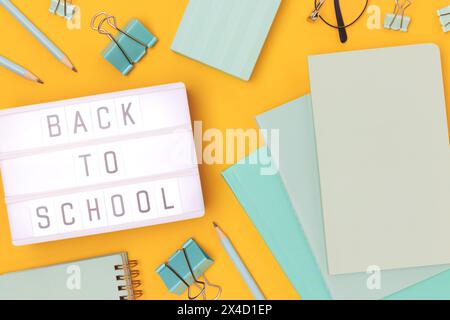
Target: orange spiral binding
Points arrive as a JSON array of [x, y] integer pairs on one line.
[[129, 276]]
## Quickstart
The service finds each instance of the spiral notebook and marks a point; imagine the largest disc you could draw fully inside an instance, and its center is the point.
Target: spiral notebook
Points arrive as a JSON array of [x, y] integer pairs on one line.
[[111, 277]]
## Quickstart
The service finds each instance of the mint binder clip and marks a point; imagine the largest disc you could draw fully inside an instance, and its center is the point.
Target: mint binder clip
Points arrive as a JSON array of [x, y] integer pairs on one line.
[[397, 20], [184, 269], [130, 44], [63, 8], [444, 18]]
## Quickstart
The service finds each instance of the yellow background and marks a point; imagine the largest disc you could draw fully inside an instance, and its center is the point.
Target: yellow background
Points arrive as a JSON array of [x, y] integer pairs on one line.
[[217, 99]]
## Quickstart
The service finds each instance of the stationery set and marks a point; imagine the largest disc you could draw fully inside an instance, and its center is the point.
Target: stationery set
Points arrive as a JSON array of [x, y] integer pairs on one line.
[[358, 207]]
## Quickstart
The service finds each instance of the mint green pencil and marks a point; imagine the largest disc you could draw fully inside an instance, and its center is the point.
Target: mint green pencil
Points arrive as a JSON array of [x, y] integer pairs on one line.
[[239, 264], [19, 70], [42, 38]]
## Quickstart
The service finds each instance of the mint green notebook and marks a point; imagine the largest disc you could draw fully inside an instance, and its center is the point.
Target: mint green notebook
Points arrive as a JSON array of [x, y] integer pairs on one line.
[[297, 162], [102, 278], [265, 200], [226, 34]]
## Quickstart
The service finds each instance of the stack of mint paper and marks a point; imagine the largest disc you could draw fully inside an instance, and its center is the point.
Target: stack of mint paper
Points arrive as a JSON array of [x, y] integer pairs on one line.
[[305, 255]]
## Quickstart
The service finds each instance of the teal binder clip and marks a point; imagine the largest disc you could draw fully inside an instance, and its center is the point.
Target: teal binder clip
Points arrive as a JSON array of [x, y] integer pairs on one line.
[[444, 18], [184, 269], [397, 20], [63, 8], [129, 46]]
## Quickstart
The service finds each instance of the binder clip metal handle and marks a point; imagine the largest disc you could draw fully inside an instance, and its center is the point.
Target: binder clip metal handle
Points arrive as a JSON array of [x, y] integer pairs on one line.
[[68, 9], [210, 284], [111, 20], [400, 9], [315, 13], [201, 283]]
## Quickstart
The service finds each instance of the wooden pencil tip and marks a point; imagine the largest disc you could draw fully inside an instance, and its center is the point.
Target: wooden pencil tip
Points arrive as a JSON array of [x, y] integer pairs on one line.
[[215, 225], [40, 81], [74, 69]]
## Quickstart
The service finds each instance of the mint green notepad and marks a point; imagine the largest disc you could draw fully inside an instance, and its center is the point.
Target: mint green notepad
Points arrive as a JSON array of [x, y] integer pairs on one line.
[[100, 278], [226, 34], [297, 162], [265, 200]]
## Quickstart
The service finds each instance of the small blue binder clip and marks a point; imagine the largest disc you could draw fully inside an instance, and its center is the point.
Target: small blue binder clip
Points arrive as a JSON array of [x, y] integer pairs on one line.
[[129, 45], [444, 18], [62, 8], [397, 20], [184, 269]]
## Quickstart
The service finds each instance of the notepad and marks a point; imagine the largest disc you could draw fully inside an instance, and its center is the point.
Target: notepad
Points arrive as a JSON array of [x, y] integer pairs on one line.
[[261, 196], [383, 153], [103, 278], [226, 34], [299, 171], [99, 164]]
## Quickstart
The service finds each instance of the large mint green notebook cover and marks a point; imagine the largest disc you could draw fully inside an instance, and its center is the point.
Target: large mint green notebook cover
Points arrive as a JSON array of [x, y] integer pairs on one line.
[[90, 279], [226, 34], [265, 201], [297, 162]]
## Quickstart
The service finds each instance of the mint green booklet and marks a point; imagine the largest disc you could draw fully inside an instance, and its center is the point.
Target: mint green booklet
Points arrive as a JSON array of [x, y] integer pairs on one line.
[[267, 204], [101, 278]]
